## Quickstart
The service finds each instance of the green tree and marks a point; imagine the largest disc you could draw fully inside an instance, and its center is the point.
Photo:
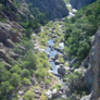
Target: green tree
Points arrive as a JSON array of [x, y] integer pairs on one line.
[[15, 80]]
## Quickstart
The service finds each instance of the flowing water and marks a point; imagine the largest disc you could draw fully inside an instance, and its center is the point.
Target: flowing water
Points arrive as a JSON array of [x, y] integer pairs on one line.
[[52, 52]]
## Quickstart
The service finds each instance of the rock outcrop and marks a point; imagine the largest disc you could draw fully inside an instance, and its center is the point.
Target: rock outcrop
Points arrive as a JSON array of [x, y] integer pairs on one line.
[[93, 72], [96, 67], [80, 3], [10, 32]]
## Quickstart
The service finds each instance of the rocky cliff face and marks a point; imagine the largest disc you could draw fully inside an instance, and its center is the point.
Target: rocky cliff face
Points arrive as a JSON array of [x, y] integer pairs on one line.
[[96, 67], [11, 31], [80, 3], [93, 72]]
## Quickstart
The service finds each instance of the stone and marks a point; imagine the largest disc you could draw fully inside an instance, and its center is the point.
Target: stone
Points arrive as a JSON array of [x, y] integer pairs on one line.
[[86, 97], [37, 91], [9, 43], [8, 66], [20, 92], [1, 45], [81, 70], [61, 45], [2, 53], [13, 55], [54, 91], [57, 62], [49, 94]]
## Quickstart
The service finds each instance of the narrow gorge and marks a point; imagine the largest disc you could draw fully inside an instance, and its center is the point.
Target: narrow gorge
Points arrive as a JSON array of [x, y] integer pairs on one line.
[[49, 49]]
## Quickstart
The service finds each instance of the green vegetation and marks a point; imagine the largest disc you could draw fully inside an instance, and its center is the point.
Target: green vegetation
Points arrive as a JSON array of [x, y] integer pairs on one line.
[[32, 63], [72, 76], [61, 59], [29, 95], [43, 67], [80, 30], [34, 22], [8, 82], [58, 87], [61, 99], [43, 97]]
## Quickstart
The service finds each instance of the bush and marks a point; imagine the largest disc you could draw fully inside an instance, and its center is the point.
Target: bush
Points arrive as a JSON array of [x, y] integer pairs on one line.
[[15, 69], [25, 73], [31, 60], [26, 81], [29, 95], [41, 73], [43, 97], [15, 80]]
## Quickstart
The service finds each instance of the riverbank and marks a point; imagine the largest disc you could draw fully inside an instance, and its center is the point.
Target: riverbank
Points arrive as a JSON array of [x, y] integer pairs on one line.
[[50, 40]]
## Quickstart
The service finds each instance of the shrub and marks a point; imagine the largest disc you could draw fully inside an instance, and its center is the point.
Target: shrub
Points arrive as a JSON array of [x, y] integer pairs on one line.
[[26, 81], [29, 95], [25, 73], [15, 69], [31, 60], [43, 97], [15, 80]]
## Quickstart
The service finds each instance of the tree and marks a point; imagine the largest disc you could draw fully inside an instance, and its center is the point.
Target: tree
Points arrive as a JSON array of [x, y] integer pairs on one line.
[[15, 80]]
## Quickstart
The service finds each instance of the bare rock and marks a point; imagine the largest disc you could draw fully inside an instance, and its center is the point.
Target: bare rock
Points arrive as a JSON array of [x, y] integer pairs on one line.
[[95, 65], [2, 53], [86, 97], [92, 75], [9, 43], [1, 45]]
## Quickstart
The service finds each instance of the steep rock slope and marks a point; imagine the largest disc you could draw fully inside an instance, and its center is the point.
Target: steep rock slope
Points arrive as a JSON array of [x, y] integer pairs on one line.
[[93, 71], [80, 3], [22, 17], [10, 31], [95, 64]]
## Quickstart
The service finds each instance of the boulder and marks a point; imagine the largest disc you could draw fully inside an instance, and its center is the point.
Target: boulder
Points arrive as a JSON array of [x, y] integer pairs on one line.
[[57, 62], [1, 45], [86, 97], [13, 55], [9, 31], [8, 66], [9, 43], [2, 53], [37, 91]]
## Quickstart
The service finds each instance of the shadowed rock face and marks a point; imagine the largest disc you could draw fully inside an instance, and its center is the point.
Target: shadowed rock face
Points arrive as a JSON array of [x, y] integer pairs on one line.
[[80, 3], [53, 8], [96, 67]]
